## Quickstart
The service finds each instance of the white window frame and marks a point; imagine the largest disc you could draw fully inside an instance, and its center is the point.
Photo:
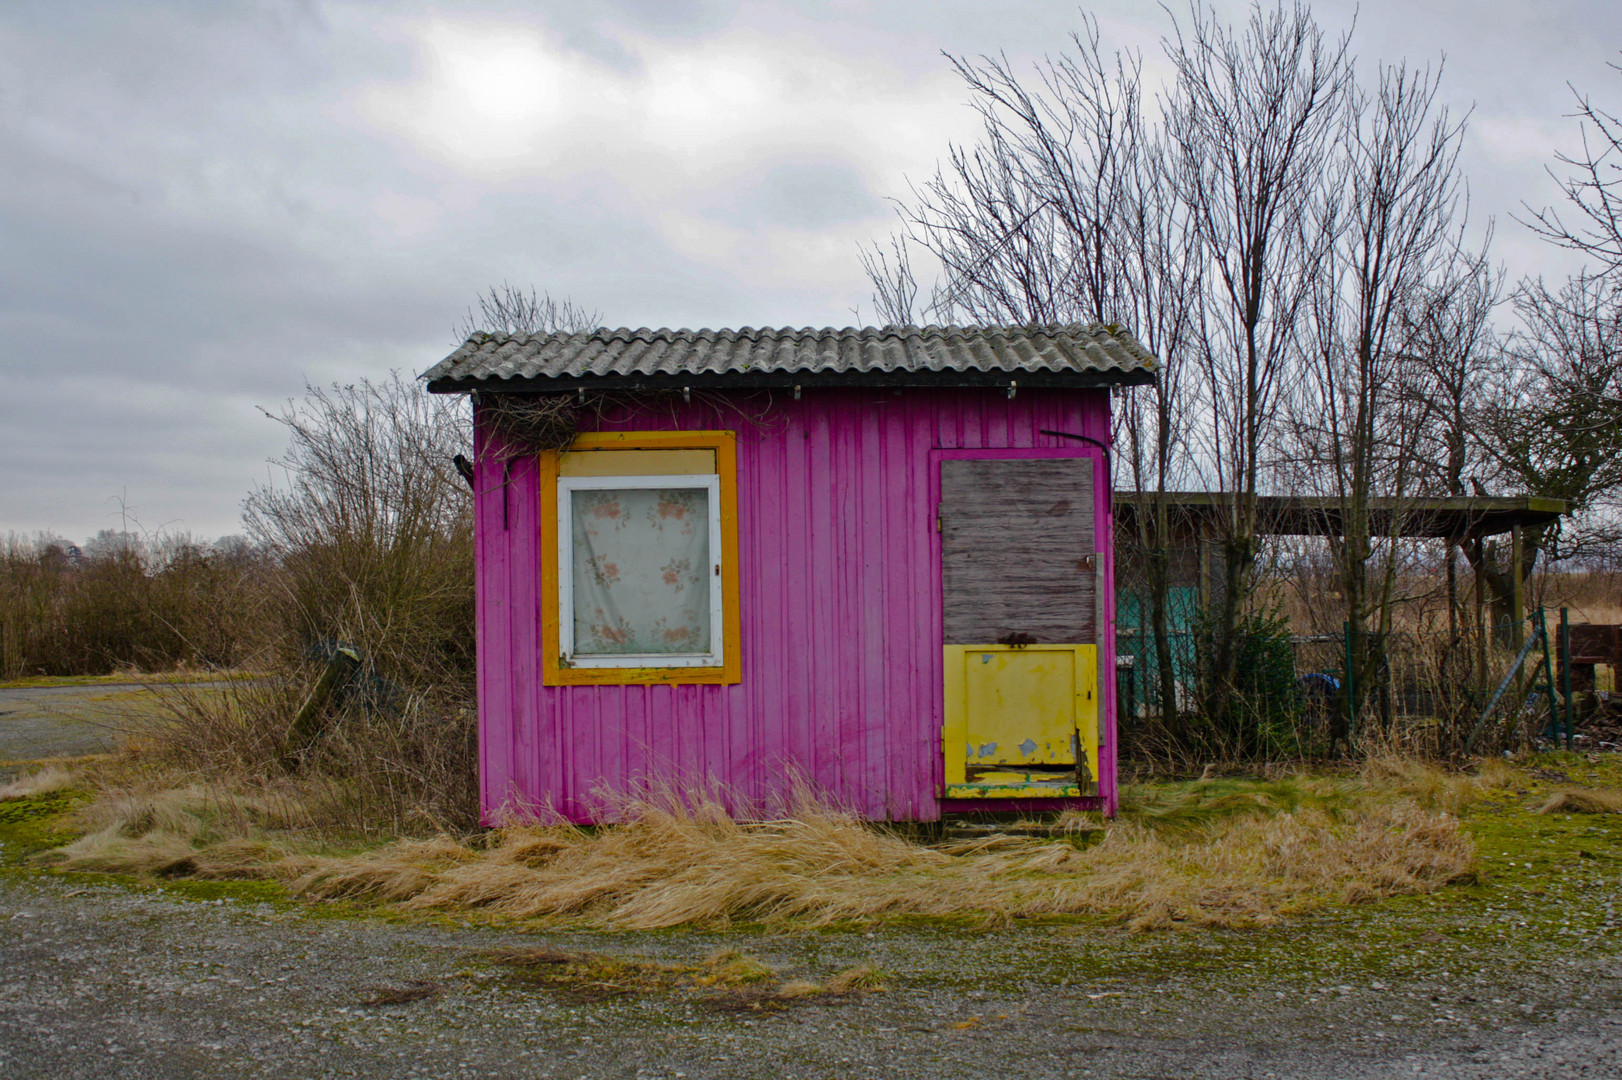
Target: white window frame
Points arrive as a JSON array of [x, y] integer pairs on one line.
[[567, 486]]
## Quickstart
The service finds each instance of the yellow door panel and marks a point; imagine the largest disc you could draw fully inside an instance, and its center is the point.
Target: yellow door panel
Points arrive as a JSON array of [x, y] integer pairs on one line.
[[1011, 708], [1020, 706]]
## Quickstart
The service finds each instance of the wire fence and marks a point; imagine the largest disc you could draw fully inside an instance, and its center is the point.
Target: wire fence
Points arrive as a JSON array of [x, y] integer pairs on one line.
[[1438, 693]]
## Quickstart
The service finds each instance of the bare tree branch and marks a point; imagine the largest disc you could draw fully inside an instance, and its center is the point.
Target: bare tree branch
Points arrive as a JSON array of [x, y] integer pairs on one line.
[[511, 310], [1594, 192]]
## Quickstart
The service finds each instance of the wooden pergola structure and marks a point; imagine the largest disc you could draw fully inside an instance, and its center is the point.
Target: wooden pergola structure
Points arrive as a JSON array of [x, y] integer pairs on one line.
[[1197, 518]]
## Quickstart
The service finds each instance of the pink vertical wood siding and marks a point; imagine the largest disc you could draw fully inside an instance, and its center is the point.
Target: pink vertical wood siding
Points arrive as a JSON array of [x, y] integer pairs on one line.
[[841, 619]]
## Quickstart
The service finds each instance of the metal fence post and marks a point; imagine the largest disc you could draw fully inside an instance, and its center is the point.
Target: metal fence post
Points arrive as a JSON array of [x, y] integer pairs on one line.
[[1351, 686], [1565, 669]]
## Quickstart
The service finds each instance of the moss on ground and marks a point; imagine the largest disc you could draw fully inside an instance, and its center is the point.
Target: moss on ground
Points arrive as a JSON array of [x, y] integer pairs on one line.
[[37, 823]]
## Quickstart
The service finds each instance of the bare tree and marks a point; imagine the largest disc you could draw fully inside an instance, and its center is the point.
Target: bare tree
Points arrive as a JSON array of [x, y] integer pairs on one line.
[[511, 310], [1065, 212], [1022, 224], [1449, 332], [1252, 121], [1552, 424], [895, 289], [1594, 193], [1390, 216], [1448, 329], [1161, 267]]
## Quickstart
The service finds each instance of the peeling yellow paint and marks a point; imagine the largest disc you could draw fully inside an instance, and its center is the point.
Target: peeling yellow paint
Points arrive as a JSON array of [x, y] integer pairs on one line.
[[1013, 791], [1020, 706]]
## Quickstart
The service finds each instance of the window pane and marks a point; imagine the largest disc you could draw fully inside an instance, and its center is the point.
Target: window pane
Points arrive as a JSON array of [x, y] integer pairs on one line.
[[641, 571]]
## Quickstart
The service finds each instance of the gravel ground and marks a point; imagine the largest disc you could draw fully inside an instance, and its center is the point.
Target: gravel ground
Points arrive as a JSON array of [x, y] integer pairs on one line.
[[1520, 976], [105, 980]]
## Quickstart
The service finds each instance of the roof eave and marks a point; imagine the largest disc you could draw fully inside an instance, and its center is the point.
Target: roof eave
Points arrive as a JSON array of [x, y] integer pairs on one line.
[[772, 380]]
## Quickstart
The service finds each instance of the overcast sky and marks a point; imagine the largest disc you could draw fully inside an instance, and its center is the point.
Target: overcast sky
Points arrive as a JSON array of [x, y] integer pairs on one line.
[[203, 205]]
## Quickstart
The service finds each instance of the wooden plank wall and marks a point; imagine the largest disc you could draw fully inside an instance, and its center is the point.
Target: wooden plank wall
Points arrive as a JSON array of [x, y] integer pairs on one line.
[[1017, 550], [840, 604]]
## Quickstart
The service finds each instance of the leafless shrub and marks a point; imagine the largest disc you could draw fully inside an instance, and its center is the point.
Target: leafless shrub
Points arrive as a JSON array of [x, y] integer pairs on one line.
[[511, 310], [367, 543], [403, 770], [372, 527]]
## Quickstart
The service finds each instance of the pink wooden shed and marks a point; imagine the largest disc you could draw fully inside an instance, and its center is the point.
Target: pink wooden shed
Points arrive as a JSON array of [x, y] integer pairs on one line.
[[877, 559]]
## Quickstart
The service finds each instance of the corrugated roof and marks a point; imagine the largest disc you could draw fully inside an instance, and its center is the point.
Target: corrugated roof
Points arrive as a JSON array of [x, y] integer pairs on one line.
[[1072, 355]]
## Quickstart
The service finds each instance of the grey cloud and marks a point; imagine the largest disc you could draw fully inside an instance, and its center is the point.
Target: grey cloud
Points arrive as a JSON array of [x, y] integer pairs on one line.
[[195, 217], [808, 195]]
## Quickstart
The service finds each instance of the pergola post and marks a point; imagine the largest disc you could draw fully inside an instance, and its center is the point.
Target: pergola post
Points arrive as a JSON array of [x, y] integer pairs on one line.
[[1517, 589], [1478, 565]]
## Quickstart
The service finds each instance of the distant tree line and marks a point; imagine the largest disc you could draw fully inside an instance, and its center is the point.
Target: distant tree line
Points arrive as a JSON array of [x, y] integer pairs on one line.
[[126, 601]]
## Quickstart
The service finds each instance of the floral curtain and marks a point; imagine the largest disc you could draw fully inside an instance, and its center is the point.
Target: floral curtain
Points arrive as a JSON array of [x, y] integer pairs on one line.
[[641, 571]]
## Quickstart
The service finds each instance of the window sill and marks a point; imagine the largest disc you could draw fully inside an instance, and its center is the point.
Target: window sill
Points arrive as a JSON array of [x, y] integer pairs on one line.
[[626, 676]]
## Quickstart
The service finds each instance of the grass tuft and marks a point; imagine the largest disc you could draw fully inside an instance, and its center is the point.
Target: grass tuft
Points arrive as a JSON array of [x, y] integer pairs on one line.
[[1583, 801], [49, 779], [1224, 857], [728, 980], [413, 990], [594, 976]]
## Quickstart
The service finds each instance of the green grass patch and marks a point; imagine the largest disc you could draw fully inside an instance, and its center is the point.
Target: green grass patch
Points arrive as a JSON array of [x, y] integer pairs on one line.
[[247, 892], [47, 682]]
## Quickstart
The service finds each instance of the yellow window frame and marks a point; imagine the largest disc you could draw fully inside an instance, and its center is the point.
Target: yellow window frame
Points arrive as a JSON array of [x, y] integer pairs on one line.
[[724, 444]]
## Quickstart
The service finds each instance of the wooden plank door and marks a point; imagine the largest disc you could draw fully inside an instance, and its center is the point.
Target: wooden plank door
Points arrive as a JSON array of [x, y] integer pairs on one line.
[[1020, 601]]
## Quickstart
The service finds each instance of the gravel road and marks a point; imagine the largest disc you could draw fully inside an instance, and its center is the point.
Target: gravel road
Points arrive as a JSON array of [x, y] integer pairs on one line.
[[1518, 977], [58, 721], [104, 980]]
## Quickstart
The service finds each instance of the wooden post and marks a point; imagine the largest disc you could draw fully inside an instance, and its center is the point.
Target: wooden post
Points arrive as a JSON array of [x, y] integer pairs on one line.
[[1452, 594], [1565, 669], [1481, 617], [1517, 589], [308, 723]]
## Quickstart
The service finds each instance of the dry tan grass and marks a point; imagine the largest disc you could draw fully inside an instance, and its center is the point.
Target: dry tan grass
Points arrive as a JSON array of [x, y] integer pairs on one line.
[[666, 867], [49, 779], [1431, 786], [199, 830], [1583, 801], [1217, 853]]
